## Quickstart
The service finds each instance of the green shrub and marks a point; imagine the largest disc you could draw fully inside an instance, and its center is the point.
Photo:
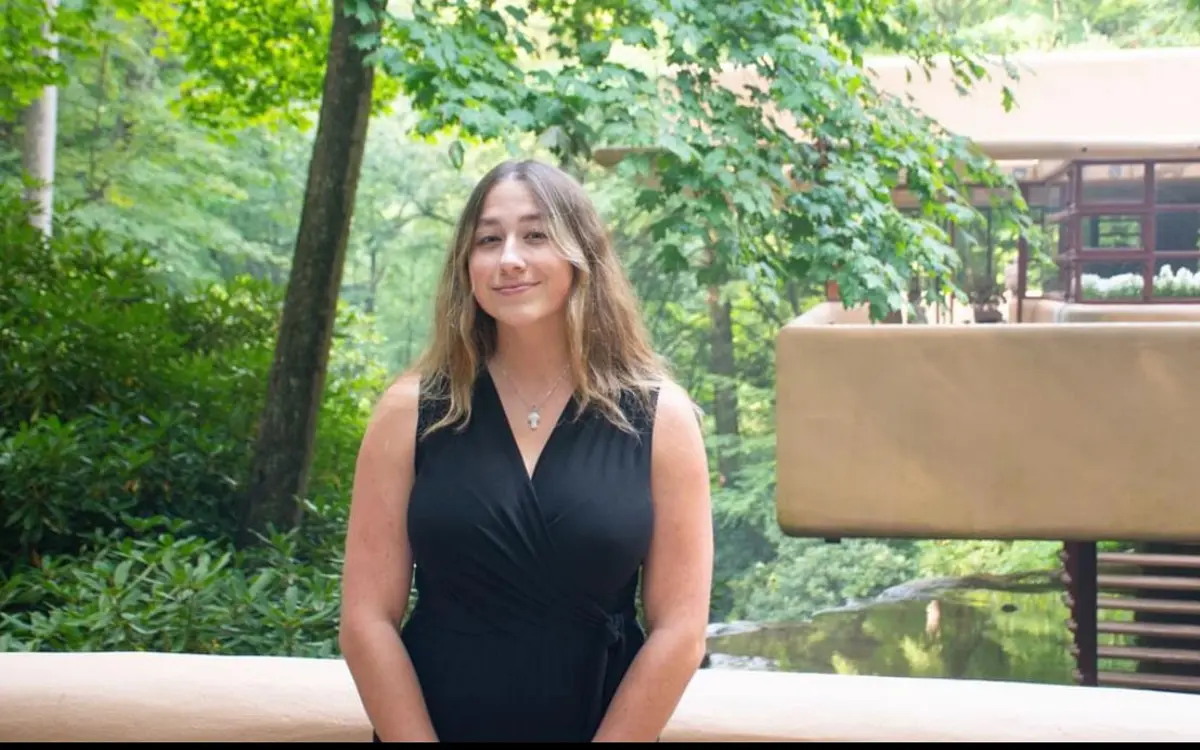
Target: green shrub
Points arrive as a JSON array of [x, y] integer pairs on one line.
[[128, 412], [810, 575], [163, 589]]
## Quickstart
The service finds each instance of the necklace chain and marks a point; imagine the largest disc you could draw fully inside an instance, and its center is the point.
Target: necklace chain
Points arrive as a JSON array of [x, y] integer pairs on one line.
[[534, 417]]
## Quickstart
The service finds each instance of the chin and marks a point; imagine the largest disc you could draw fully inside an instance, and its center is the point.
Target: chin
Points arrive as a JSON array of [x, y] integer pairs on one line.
[[522, 318], [519, 315]]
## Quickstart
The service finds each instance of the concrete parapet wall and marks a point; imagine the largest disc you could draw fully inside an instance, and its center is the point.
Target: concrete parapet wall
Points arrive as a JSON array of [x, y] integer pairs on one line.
[[135, 697], [1038, 310], [835, 313], [1032, 431]]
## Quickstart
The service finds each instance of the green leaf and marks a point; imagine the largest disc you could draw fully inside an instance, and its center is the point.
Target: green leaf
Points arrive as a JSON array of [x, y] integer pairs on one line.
[[457, 154], [121, 574], [594, 53]]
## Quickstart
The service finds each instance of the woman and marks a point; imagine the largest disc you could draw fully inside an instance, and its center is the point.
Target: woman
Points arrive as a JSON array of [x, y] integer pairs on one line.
[[533, 465]]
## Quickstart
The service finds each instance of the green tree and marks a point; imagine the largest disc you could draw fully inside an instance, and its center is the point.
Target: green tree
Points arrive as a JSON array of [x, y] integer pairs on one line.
[[735, 192], [288, 425], [26, 70], [739, 193]]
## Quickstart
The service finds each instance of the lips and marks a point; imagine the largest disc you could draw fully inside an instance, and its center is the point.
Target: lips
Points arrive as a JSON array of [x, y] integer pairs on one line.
[[509, 290]]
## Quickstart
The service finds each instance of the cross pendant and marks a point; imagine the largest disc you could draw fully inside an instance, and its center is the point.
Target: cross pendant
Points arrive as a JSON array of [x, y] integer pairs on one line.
[[533, 419]]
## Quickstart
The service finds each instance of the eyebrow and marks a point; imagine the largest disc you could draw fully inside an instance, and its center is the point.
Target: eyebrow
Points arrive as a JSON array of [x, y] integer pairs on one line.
[[488, 220]]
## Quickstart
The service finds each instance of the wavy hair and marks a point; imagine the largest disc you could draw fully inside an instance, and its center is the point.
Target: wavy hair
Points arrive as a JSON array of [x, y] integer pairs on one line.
[[608, 345]]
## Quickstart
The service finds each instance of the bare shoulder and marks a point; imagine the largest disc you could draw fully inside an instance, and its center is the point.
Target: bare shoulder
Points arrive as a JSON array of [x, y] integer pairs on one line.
[[399, 406], [676, 416], [678, 443], [401, 399], [392, 429]]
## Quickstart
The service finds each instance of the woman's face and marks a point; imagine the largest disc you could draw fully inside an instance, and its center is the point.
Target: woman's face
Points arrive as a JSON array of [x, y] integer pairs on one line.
[[517, 274]]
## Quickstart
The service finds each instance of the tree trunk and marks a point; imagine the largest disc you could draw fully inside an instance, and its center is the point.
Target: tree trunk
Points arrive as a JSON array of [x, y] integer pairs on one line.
[[283, 453], [724, 366], [41, 128]]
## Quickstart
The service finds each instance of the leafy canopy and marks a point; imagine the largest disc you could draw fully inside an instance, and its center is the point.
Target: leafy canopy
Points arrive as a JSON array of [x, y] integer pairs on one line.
[[791, 177]]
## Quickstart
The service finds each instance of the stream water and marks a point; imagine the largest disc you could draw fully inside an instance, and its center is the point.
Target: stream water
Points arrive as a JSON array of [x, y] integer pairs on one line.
[[982, 627]]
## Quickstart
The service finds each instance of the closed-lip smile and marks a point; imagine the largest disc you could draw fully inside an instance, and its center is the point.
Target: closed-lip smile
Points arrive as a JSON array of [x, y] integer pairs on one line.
[[515, 288]]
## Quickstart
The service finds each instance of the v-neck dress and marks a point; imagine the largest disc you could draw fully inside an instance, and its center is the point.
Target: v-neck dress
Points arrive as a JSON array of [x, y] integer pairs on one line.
[[525, 619]]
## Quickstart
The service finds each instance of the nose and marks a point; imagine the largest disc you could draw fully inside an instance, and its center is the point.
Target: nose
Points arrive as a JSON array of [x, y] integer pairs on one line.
[[511, 260]]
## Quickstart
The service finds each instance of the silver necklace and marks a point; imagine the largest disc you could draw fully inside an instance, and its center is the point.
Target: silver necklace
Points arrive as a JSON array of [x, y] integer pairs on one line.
[[534, 417]]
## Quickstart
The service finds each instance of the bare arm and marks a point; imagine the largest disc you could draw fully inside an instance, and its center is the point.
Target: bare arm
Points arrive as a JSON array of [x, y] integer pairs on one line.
[[677, 579], [378, 572]]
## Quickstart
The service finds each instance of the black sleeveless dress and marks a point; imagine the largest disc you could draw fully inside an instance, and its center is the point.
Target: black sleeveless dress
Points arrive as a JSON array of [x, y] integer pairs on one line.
[[525, 618]]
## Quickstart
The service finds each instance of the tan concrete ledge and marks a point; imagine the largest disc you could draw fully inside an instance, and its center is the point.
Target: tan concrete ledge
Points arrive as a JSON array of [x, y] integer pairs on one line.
[[178, 697], [1031, 431], [1041, 310]]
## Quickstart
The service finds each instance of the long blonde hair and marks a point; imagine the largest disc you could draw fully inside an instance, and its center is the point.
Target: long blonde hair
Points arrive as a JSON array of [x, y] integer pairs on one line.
[[609, 348]]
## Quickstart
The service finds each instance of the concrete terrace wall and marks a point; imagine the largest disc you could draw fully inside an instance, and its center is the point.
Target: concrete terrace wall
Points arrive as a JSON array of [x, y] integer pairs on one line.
[[1033, 431], [1035, 310], [176, 697]]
